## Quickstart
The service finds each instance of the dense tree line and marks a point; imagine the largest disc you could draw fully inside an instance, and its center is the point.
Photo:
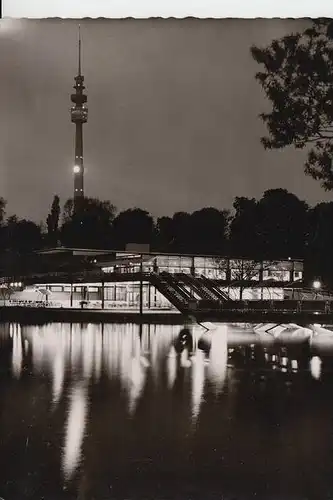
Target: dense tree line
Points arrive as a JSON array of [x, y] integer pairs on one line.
[[276, 226]]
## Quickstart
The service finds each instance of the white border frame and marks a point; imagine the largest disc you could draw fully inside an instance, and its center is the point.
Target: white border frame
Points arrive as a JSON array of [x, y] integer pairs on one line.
[[118, 9]]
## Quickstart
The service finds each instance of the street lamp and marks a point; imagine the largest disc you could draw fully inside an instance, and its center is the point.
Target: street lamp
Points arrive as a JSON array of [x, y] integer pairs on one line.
[[76, 169], [316, 285]]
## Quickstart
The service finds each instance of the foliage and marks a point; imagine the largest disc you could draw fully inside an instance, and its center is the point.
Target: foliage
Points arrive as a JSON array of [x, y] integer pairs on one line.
[[133, 226], [297, 79], [52, 221], [3, 204], [6, 291], [281, 224], [244, 238], [89, 227], [278, 225], [21, 236], [208, 231]]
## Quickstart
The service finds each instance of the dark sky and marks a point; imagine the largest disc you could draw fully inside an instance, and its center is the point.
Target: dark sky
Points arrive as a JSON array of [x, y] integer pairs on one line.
[[172, 123]]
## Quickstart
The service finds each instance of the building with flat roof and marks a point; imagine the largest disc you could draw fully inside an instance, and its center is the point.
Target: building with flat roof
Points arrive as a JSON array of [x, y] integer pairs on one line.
[[71, 277]]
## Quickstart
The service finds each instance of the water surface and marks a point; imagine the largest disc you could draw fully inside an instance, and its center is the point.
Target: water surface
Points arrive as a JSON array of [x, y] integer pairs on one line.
[[115, 412]]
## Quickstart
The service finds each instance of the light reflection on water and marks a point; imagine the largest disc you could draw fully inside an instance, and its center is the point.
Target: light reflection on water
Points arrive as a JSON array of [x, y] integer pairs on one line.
[[75, 427], [108, 406]]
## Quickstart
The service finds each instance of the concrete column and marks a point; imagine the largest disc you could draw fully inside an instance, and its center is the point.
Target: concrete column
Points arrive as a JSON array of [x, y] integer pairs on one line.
[[141, 288], [103, 294]]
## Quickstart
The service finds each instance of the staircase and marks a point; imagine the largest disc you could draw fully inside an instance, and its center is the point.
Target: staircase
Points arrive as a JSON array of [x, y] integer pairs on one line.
[[198, 287], [176, 284], [171, 291], [214, 288]]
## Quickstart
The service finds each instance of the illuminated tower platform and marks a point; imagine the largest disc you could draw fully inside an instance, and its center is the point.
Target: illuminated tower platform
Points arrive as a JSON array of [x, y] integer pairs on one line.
[[79, 116]]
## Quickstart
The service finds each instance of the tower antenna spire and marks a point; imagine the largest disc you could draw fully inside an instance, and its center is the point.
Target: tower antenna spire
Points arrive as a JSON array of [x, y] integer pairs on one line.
[[79, 50]]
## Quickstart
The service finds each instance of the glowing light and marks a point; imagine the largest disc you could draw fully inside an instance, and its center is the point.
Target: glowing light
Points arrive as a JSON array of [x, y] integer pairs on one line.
[[172, 367], [316, 284], [315, 367], [17, 351], [294, 364], [198, 383], [58, 377], [76, 422], [76, 169], [218, 358], [136, 382]]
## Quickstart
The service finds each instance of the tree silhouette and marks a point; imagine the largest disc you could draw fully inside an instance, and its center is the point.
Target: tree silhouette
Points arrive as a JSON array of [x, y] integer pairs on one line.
[[297, 79], [133, 226], [89, 227], [244, 270], [244, 237], [181, 222], [277, 226], [164, 234], [52, 221], [3, 204], [208, 231], [21, 236], [68, 211], [320, 243], [281, 224]]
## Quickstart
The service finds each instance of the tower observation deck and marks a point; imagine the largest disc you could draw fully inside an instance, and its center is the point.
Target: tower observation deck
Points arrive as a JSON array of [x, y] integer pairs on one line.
[[79, 116]]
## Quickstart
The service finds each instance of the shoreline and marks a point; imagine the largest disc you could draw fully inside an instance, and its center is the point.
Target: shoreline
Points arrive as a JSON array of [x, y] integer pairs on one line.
[[37, 315], [42, 315]]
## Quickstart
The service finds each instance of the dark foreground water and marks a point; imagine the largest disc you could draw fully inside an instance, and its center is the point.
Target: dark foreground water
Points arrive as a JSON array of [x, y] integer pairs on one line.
[[112, 412]]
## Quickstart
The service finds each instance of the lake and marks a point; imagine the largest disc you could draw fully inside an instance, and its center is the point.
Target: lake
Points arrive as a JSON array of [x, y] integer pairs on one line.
[[161, 412]]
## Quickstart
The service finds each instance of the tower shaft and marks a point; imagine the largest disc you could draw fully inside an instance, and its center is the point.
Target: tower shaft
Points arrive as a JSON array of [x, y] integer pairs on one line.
[[79, 176], [79, 116]]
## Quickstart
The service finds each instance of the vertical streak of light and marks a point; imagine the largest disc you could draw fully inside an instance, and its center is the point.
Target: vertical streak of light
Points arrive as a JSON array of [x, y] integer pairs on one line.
[[98, 355], [75, 426], [88, 353], [198, 383], [26, 346], [315, 367], [218, 358], [172, 367], [136, 383], [145, 339], [58, 377], [17, 352], [75, 346], [184, 359], [125, 354], [154, 357]]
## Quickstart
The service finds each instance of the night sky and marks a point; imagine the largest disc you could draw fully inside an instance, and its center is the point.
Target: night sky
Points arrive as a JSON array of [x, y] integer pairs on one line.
[[173, 114]]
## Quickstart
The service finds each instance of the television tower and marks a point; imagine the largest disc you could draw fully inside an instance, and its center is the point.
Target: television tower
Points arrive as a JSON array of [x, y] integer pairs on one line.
[[79, 116]]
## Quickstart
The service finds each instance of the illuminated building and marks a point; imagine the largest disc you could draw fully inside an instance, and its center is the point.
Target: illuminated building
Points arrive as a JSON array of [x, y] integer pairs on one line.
[[118, 279]]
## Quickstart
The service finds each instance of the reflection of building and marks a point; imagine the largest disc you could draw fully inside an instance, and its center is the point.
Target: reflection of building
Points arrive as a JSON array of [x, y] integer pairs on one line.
[[120, 278]]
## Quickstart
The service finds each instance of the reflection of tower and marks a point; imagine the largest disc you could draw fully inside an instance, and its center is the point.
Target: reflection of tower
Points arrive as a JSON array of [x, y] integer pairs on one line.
[[79, 116]]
